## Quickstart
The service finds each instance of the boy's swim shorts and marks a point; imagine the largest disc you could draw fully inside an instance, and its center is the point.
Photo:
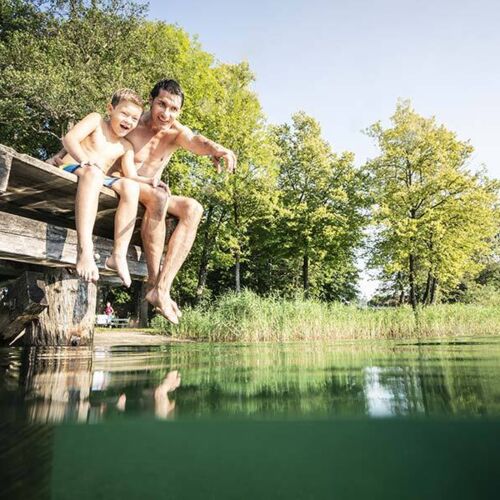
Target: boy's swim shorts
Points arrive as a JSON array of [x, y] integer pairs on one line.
[[71, 167]]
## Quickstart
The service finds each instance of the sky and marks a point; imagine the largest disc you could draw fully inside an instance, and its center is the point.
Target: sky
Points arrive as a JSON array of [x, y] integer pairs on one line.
[[347, 62]]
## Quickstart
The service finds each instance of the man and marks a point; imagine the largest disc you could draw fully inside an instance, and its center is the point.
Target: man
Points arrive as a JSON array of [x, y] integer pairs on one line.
[[157, 136], [155, 139]]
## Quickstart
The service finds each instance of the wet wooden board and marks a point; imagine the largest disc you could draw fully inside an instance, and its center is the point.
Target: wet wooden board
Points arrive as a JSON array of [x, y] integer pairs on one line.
[[36, 242], [34, 189]]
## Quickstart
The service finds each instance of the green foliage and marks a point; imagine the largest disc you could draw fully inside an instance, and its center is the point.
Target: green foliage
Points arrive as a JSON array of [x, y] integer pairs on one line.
[[434, 219]]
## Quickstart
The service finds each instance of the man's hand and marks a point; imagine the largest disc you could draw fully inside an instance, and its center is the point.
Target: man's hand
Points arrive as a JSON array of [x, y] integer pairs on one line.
[[229, 160]]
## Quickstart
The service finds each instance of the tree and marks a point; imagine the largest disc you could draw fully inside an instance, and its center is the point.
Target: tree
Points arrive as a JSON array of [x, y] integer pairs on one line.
[[433, 217], [319, 225]]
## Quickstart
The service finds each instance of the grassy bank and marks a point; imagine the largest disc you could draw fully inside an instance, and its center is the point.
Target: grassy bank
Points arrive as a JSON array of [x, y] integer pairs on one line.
[[249, 318]]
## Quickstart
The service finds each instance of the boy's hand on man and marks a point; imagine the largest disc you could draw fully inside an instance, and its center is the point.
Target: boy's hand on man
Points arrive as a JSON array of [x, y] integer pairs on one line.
[[164, 186]]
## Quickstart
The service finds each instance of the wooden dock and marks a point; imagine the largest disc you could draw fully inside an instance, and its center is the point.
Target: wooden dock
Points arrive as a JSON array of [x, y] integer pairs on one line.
[[41, 298]]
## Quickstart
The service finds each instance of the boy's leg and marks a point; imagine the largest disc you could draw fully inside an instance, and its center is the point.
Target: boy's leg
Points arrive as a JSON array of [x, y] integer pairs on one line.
[[87, 198], [125, 217], [189, 213]]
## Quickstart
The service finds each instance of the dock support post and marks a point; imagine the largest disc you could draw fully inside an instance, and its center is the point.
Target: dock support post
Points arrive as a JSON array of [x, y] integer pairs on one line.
[[70, 315]]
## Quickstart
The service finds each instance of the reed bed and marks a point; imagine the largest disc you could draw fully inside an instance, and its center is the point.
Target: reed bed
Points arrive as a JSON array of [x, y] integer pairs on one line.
[[247, 317]]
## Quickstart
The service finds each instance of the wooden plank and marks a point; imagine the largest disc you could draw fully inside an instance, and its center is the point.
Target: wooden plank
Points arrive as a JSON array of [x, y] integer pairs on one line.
[[43, 192], [36, 242]]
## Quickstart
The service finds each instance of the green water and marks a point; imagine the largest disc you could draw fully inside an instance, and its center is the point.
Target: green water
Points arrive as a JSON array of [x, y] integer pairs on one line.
[[304, 420]]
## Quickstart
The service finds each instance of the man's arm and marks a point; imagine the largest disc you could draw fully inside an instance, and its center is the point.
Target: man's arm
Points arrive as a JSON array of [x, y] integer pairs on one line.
[[72, 140], [200, 145], [129, 170]]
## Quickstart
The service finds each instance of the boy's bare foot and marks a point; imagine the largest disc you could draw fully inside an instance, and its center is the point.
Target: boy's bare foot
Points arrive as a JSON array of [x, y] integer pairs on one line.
[[119, 264], [86, 267], [163, 304]]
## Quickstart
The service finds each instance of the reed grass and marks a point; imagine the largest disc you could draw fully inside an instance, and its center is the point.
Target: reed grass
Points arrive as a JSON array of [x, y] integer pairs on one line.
[[247, 317]]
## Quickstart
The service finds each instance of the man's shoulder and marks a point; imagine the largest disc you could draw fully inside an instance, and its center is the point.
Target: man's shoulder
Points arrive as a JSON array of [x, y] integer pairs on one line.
[[181, 130]]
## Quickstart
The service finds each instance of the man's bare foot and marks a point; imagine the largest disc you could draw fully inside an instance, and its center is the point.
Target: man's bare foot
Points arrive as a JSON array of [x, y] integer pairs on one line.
[[171, 381], [178, 312], [119, 264], [86, 267], [121, 403], [163, 304]]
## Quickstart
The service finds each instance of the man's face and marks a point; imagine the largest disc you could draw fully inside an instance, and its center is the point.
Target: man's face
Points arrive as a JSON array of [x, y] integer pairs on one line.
[[165, 109], [124, 117]]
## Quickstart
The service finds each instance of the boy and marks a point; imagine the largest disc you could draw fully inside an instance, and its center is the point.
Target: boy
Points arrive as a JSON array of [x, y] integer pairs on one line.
[[92, 147]]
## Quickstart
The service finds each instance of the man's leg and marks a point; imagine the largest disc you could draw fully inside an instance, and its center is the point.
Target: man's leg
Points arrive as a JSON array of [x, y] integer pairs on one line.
[[87, 198], [155, 201], [125, 217], [189, 213]]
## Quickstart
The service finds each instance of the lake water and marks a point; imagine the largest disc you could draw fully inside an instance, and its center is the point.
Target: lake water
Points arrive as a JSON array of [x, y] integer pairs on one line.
[[300, 420]]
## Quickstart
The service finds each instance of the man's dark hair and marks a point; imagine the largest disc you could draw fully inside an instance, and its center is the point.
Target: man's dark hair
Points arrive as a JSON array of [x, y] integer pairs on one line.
[[169, 86]]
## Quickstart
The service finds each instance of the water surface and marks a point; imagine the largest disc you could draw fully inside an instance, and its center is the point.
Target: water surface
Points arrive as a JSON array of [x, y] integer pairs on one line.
[[299, 420]]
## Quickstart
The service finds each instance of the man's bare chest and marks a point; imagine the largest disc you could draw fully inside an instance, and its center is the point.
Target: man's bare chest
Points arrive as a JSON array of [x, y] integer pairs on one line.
[[152, 149]]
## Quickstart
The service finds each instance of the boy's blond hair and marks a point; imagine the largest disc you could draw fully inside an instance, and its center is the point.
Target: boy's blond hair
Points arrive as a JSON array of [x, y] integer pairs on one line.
[[126, 95]]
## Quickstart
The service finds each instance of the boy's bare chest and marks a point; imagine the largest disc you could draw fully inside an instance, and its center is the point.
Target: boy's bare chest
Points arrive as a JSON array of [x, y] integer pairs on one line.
[[106, 149]]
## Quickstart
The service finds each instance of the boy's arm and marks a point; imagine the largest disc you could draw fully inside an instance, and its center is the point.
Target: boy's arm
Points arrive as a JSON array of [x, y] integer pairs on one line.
[[72, 140], [129, 170], [200, 145]]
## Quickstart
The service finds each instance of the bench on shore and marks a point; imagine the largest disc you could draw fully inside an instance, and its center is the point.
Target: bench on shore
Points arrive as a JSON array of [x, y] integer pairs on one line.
[[103, 320], [41, 298]]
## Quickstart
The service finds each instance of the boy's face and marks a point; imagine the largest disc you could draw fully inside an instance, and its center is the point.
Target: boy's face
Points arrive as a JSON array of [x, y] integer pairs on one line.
[[124, 117], [165, 109]]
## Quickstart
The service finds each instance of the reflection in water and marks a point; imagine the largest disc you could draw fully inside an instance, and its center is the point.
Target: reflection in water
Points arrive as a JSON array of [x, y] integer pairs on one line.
[[130, 455], [293, 380]]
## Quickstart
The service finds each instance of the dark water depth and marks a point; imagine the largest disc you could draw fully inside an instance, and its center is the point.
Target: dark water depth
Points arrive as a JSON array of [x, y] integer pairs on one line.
[[304, 420]]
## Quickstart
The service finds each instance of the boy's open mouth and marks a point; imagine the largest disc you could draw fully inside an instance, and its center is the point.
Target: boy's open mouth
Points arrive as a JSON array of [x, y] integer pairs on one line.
[[125, 127]]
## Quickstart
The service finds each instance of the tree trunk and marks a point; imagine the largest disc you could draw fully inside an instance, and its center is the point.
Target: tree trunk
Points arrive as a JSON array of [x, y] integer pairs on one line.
[[434, 286], [305, 274], [70, 316], [142, 307], [413, 292], [237, 282], [427, 292], [237, 276], [203, 269]]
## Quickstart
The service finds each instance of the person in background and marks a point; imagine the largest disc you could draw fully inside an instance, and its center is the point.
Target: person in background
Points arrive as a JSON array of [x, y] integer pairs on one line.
[[109, 311]]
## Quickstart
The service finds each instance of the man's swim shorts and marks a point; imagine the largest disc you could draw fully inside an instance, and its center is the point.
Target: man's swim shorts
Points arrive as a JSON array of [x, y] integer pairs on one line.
[[71, 167]]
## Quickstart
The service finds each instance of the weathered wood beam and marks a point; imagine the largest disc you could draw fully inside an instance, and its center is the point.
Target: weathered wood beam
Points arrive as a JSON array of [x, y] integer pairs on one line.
[[35, 242], [5, 167], [70, 315], [23, 302]]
